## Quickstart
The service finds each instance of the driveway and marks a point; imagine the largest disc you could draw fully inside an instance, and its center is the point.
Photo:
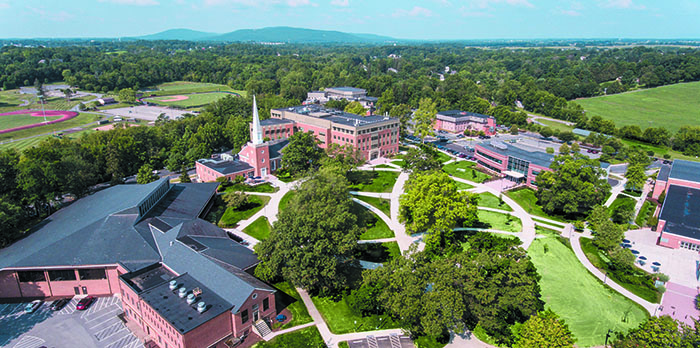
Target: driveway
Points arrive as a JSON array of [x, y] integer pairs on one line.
[[98, 326], [393, 341]]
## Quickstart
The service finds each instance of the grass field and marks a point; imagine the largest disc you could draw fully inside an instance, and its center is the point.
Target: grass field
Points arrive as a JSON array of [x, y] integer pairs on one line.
[[341, 319], [193, 100], [186, 87], [80, 120], [305, 338], [488, 199], [463, 186], [555, 125], [499, 221], [670, 106], [527, 200], [259, 229], [588, 307], [377, 229], [291, 301], [285, 200], [644, 212], [382, 181], [382, 204], [263, 188], [232, 216], [466, 170], [12, 121]]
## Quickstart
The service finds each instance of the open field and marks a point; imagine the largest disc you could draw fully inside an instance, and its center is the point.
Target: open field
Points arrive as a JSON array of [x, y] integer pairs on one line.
[[186, 87], [670, 106], [499, 221], [588, 307], [488, 199], [380, 203], [81, 120], [189, 100], [259, 229], [372, 181], [555, 125], [341, 318], [8, 121], [466, 170], [26, 119]]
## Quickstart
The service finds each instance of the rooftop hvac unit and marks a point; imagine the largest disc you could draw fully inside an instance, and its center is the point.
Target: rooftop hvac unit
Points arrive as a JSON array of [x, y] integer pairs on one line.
[[201, 307], [173, 285], [182, 292], [190, 299]]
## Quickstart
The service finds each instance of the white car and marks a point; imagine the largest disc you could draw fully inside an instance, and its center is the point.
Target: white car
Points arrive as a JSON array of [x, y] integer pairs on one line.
[[31, 307]]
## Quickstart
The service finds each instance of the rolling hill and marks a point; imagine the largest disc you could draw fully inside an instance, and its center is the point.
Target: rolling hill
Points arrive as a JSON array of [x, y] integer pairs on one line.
[[271, 34], [178, 34]]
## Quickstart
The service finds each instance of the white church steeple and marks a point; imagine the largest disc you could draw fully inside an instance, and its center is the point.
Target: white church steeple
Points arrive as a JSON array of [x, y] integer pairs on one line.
[[257, 129]]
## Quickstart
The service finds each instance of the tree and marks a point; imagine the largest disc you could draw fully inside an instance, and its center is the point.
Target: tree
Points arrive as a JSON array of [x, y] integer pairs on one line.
[[514, 130], [67, 93], [424, 118], [575, 184], [598, 215], [302, 153], [355, 108], [566, 136], [11, 218], [623, 213], [184, 176], [546, 132], [432, 203], [608, 235], [403, 112], [544, 330], [635, 177], [235, 200], [659, 332], [146, 175], [564, 149], [313, 242], [421, 160], [575, 147], [127, 95]]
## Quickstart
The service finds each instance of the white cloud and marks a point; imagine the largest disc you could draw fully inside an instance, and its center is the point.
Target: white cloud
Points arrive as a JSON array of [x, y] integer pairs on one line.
[[488, 3], [298, 3], [622, 4], [60, 16], [341, 3], [416, 11], [260, 3], [4, 5], [133, 2]]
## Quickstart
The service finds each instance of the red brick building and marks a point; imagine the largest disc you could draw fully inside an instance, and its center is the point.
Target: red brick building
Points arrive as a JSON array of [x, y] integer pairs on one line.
[[679, 219], [516, 164]]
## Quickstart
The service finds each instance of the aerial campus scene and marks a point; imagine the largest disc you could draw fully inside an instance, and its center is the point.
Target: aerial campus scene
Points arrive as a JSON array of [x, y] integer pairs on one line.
[[350, 174]]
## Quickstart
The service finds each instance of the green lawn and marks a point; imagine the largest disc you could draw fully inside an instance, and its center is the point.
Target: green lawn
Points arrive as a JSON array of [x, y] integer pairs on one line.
[[341, 319], [463, 186], [305, 338], [372, 181], [81, 120], [589, 308], [384, 166], [232, 216], [442, 157], [525, 197], [488, 199], [644, 213], [259, 229], [12, 121], [547, 222], [186, 87], [659, 151], [555, 125], [669, 106], [285, 199], [376, 229], [193, 100], [546, 231], [466, 170], [499, 221], [263, 188], [382, 204], [289, 298]]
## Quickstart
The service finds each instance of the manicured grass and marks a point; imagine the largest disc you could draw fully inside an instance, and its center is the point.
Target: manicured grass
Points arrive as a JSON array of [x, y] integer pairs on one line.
[[670, 107], [382, 204], [78, 121], [466, 170], [343, 345], [644, 212], [186, 87], [463, 186], [376, 229], [259, 229], [305, 338], [442, 157], [547, 222], [499, 221], [375, 181], [263, 188], [285, 199], [291, 300], [526, 198], [12, 121], [659, 151], [193, 100], [393, 248], [428, 342], [546, 231], [600, 261], [384, 166], [588, 307], [488, 199], [620, 200], [341, 319], [555, 125], [232, 216]]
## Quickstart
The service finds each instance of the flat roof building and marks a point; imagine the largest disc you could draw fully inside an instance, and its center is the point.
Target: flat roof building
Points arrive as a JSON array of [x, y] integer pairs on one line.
[[520, 165], [458, 121], [336, 93], [679, 219]]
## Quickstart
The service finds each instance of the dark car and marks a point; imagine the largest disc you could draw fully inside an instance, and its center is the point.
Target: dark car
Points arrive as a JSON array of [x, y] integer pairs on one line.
[[59, 304], [85, 303]]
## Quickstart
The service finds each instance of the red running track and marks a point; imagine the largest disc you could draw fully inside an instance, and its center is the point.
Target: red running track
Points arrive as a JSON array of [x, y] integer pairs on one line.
[[67, 115]]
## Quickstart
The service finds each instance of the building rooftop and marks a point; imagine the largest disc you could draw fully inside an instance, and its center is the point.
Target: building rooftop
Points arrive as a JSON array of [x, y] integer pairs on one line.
[[336, 116], [346, 89], [685, 170], [175, 310], [533, 156], [460, 113], [275, 121], [664, 173], [681, 211], [225, 167], [276, 147]]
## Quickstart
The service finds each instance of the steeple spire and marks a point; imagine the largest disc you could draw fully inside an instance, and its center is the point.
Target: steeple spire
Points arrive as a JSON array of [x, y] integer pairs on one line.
[[257, 129]]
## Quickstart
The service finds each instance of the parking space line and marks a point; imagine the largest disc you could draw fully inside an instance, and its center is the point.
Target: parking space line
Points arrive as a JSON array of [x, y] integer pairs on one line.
[[5, 307], [112, 311], [123, 341], [69, 308], [102, 323], [29, 342], [109, 332]]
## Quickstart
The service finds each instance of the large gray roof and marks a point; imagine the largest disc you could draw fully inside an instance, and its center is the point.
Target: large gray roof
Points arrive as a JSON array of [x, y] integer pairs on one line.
[[533, 156], [664, 172], [226, 167], [685, 170], [681, 211]]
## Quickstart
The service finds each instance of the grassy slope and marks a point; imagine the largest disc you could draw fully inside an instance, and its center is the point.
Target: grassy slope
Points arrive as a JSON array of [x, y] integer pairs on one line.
[[285, 199], [384, 182], [192, 100], [499, 221], [305, 338], [299, 313], [555, 125], [589, 307], [382, 204], [669, 106], [378, 230], [527, 200], [232, 216], [466, 170], [488, 199], [259, 229], [341, 319]]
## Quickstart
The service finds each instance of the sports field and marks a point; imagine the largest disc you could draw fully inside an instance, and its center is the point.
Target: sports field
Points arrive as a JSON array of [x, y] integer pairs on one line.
[[81, 120], [669, 106], [589, 308], [185, 87], [187, 101], [24, 119]]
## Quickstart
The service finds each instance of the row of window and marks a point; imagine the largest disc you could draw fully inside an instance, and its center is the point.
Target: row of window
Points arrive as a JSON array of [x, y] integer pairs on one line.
[[245, 315], [691, 246], [343, 130], [61, 275], [372, 130], [491, 158]]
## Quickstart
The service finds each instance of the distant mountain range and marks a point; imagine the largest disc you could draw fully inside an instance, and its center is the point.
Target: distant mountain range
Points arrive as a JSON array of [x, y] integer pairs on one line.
[[271, 34]]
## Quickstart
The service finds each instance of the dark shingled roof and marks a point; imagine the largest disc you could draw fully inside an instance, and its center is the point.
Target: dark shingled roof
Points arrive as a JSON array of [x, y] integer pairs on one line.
[[681, 211], [276, 147], [460, 113], [664, 173], [534, 157], [275, 121], [685, 170], [226, 167]]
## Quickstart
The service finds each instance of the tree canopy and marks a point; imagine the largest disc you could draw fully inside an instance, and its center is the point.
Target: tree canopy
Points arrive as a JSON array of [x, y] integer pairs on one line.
[[660, 332], [302, 153], [544, 330]]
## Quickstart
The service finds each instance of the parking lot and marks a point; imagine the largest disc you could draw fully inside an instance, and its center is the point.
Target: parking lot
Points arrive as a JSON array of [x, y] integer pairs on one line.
[[98, 326], [393, 341]]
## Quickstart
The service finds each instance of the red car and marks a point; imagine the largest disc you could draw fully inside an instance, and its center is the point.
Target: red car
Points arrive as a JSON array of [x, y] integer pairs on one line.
[[85, 303]]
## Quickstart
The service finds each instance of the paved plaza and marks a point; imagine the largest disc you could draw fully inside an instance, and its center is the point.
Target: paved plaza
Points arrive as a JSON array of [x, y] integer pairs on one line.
[[144, 112]]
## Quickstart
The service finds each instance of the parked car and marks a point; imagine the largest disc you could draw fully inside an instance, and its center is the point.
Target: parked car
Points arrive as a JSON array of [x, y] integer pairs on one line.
[[460, 136], [461, 155], [59, 304], [85, 303], [31, 307]]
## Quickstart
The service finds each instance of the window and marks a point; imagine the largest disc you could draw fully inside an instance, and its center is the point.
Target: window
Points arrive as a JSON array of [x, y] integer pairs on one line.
[[266, 304], [62, 274], [92, 274], [244, 316], [31, 276]]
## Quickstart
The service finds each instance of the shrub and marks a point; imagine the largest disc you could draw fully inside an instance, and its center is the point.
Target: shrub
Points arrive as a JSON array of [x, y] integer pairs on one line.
[[697, 302], [663, 277], [667, 156]]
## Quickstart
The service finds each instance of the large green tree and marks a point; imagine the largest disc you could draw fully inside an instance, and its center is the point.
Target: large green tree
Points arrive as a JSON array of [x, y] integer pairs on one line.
[[313, 241], [635, 177], [424, 118], [145, 174], [302, 153], [660, 332], [544, 330], [355, 108], [127, 95], [420, 160], [575, 184]]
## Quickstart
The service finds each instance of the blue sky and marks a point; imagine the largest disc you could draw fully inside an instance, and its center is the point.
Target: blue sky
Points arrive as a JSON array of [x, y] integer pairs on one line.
[[427, 19]]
